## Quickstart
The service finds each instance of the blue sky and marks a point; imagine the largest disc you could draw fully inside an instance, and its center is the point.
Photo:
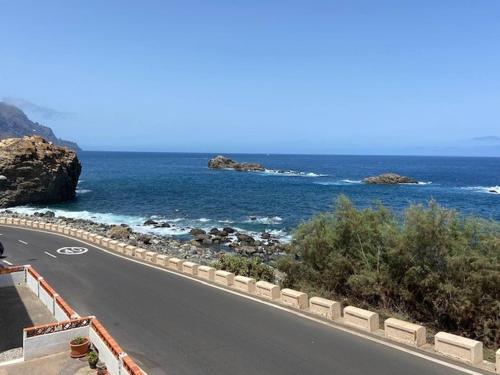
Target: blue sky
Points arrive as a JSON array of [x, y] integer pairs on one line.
[[363, 77]]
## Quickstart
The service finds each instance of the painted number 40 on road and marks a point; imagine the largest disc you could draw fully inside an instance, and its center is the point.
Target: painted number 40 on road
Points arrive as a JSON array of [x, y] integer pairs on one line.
[[72, 250]]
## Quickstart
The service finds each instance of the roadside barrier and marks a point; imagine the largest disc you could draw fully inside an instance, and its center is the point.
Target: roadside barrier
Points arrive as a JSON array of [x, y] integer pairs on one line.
[[447, 344], [130, 250], [150, 256], [245, 284], [175, 264], [404, 332], [224, 278], [190, 268], [207, 273], [267, 290], [294, 298], [458, 347], [361, 319], [161, 260], [324, 307]]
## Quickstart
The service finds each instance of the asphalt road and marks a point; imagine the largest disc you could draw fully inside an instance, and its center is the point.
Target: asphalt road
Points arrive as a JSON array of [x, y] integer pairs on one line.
[[171, 324]]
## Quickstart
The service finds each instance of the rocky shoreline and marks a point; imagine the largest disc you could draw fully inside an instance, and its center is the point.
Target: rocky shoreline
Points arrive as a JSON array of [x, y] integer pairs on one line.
[[203, 247]]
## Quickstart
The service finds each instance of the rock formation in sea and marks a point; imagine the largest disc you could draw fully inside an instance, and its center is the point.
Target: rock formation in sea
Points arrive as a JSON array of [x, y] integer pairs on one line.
[[33, 170], [389, 179], [221, 162], [14, 124]]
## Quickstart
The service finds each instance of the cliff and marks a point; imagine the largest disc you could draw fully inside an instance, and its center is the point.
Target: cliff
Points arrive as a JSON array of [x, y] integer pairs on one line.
[[33, 170], [14, 123]]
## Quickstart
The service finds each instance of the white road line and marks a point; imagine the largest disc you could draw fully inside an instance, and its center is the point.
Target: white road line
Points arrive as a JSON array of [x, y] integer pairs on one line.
[[7, 262], [49, 254], [23, 242]]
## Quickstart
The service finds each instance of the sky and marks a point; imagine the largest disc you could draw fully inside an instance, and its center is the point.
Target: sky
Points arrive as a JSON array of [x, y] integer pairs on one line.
[[320, 77]]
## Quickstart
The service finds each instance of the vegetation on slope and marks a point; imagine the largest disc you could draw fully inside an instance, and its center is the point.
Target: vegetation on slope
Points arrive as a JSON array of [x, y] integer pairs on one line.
[[431, 265]]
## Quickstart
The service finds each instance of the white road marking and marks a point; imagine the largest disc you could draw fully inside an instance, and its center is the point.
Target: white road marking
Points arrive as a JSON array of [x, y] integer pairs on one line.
[[7, 262], [49, 254], [23, 242], [72, 250]]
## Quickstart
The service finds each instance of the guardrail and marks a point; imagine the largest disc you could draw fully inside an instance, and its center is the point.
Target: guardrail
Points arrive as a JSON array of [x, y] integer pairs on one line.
[[395, 330]]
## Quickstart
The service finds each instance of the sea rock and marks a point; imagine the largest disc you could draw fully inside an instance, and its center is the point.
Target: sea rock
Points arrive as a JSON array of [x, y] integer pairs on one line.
[[221, 162], [228, 230], [162, 225], [245, 238], [265, 235], [118, 232], [36, 171], [389, 179], [150, 222], [197, 231]]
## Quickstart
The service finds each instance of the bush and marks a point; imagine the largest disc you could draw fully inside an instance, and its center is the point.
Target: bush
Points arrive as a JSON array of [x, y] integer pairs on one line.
[[251, 267], [431, 264]]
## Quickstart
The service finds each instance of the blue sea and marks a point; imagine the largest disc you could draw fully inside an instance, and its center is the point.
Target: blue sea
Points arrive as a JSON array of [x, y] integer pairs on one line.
[[126, 187]]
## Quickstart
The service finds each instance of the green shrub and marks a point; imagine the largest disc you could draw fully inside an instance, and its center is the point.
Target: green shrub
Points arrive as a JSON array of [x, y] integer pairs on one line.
[[251, 267], [431, 264]]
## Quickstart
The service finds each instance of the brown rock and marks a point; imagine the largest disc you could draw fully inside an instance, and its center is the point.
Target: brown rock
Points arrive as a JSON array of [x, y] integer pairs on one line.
[[36, 171]]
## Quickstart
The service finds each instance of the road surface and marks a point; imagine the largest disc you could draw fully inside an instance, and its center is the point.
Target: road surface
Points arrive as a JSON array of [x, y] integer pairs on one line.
[[174, 325]]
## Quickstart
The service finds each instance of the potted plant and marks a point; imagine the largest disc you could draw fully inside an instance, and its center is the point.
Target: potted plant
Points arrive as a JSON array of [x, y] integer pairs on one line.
[[93, 358], [79, 347], [101, 368]]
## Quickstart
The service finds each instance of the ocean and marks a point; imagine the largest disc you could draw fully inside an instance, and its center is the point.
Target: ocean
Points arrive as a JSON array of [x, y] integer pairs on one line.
[[130, 187]]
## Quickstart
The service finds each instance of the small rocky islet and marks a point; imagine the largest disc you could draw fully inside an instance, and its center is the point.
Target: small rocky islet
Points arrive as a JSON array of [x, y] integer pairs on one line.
[[389, 179], [222, 162]]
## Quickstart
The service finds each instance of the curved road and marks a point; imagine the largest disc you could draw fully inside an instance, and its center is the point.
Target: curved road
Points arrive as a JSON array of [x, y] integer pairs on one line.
[[175, 325]]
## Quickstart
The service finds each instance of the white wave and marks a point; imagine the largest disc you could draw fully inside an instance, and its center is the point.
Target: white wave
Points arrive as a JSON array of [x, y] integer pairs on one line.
[[264, 220], [339, 182], [83, 191], [182, 225], [291, 173], [483, 189]]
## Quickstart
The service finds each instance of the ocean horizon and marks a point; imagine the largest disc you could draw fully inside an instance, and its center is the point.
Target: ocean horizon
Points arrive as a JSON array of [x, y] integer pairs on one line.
[[130, 187]]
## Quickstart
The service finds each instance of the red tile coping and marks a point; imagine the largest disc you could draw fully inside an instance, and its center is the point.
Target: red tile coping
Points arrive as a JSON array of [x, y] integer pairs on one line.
[[45, 285], [106, 337], [64, 306], [131, 366], [44, 329], [33, 273], [11, 269]]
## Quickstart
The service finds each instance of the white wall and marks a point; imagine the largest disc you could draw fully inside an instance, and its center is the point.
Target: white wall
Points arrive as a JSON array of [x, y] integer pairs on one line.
[[105, 354], [59, 313], [51, 343], [32, 283], [11, 279], [47, 300]]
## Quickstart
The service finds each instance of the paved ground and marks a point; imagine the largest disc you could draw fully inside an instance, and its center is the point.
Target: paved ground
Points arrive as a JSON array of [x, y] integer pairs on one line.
[[19, 308], [174, 325], [57, 364]]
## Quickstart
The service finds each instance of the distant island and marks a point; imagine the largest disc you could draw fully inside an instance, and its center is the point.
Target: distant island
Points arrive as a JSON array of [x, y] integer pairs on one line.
[[222, 162], [15, 124]]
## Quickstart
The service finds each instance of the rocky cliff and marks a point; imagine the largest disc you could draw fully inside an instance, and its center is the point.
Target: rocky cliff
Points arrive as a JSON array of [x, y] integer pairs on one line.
[[221, 162], [33, 170], [14, 123]]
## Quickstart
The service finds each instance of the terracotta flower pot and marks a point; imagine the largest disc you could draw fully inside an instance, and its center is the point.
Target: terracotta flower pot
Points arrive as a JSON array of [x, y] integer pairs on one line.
[[79, 350]]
